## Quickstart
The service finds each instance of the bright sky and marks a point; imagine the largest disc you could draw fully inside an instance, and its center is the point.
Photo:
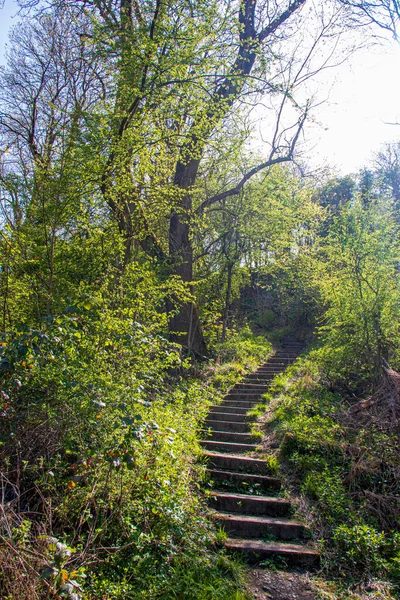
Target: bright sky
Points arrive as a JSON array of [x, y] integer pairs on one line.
[[363, 96]]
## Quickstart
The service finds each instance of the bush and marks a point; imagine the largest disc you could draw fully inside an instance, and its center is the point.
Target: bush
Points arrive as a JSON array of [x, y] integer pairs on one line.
[[360, 547]]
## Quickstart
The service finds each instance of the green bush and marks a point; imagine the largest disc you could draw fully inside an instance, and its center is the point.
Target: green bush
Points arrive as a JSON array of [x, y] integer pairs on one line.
[[99, 436], [327, 489], [360, 547]]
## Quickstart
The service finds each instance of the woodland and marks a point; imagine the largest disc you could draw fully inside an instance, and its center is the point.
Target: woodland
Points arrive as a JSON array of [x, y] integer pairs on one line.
[[150, 257]]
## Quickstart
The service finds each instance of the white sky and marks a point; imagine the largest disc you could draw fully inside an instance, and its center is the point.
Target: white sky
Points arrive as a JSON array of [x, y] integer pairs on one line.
[[363, 95], [364, 98]]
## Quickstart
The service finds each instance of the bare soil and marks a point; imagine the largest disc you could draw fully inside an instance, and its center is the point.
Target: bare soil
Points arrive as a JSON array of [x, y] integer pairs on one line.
[[280, 585]]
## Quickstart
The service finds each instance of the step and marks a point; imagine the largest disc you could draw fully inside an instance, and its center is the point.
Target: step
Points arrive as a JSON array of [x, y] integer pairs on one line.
[[247, 404], [260, 380], [229, 436], [270, 369], [249, 393], [227, 446], [228, 502], [237, 464], [276, 360], [294, 555], [222, 425], [257, 375], [271, 373], [222, 415], [261, 481], [235, 410], [248, 526], [241, 395], [251, 387]]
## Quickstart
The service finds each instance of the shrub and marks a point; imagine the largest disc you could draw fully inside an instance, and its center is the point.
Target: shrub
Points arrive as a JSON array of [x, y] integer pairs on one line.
[[360, 547]]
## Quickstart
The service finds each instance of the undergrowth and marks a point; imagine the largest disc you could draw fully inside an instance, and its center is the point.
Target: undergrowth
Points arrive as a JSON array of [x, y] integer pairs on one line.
[[341, 455], [100, 460]]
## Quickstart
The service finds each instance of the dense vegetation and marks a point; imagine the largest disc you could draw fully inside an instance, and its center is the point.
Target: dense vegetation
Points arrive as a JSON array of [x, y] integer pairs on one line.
[[149, 260]]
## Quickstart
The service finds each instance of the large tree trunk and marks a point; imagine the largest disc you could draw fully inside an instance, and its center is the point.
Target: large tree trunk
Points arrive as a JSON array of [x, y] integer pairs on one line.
[[185, 325]]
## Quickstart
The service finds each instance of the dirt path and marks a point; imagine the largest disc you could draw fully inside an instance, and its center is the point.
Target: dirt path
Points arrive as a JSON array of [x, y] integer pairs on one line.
[[279, 585]]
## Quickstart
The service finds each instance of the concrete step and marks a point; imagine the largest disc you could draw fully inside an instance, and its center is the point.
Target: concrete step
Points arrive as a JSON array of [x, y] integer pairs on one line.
[[249, 526], [255, 376], [239, 403], [294, 555], [244, 479], [227, 447], [222, 425], [238, 410], [271, 369], [229, 436], [237, 464], [229, 416], [259, 380], [279, 362], [228, 502], [250, 387], [242, 395]]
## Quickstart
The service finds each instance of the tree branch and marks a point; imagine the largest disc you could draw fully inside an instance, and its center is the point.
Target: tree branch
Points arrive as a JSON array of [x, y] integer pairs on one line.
[[268, 163], [273, 26]]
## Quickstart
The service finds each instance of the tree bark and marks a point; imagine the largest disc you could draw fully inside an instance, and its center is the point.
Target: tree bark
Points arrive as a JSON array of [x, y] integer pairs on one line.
[[185, 326], [225, 320]]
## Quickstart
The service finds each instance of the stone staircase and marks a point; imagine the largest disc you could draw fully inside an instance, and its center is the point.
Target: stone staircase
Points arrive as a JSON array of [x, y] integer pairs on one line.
[[245, 498]]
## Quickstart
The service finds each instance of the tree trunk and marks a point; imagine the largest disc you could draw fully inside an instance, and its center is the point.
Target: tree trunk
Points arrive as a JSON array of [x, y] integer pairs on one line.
[[227, 302], [185, 326]]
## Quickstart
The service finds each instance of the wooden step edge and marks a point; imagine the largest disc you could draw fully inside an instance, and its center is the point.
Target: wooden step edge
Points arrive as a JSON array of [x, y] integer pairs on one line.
[[256, 466], [256, 526], [228, 446], [221, 419], [267, 482], [241, 410], [240, 435], [250, 386], [257, 519], [292, 555], [244, 497], [249, 504], [230, 417], [229, 427]]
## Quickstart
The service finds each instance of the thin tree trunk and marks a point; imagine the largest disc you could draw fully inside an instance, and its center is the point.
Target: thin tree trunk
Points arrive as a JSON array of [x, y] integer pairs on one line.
[[227, 302]]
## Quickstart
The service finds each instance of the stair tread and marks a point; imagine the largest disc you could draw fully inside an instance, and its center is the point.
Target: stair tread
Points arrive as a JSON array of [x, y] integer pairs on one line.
[[261, 499], [217, 413], [234, 426], [232, 474], [240, 434], [244, 459], [242, 544], [218, 421], [236, 517], [249, 385], [233, 444], [230, 445]]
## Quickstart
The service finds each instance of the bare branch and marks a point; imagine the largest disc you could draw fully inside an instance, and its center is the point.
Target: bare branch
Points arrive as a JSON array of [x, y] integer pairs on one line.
[[276, 23], [262, 166]]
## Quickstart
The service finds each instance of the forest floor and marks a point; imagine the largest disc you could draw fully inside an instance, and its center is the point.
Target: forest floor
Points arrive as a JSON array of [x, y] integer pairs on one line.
[[280, 585]]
